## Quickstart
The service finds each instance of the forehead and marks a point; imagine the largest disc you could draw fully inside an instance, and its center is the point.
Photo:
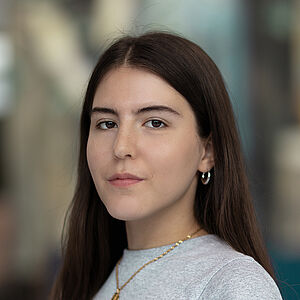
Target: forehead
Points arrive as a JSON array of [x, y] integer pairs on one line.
[[131, 88]]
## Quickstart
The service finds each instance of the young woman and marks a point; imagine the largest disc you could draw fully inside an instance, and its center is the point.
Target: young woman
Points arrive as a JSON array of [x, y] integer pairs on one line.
[[162, 208]]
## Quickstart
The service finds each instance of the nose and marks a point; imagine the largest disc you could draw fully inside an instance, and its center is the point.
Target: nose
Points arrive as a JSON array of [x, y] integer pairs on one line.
[[124, 145]]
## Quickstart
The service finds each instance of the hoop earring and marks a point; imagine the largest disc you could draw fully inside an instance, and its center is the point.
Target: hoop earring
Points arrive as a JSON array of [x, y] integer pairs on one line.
[[205, 178]]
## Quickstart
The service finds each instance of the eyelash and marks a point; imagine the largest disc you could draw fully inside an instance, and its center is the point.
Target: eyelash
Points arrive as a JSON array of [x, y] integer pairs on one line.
[[98, 125]]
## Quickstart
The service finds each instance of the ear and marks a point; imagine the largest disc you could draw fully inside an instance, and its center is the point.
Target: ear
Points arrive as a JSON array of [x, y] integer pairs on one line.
[[207, 161]]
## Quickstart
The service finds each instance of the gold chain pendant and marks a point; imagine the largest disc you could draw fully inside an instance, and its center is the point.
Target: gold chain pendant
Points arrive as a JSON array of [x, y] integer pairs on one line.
[[115, 296]]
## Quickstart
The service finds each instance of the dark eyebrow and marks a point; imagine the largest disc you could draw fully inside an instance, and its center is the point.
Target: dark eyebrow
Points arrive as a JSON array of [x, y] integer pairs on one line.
[[111, 111]]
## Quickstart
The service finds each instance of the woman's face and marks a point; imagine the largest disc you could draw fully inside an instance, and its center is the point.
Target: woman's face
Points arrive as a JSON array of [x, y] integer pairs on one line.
[[142, 126]]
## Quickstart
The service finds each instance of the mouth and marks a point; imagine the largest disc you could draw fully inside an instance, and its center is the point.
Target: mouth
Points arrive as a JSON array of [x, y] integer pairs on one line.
[[124, 179]]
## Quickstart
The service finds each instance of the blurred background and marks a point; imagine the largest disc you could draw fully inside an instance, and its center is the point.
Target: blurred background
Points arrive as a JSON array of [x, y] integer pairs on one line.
[[47, 52]]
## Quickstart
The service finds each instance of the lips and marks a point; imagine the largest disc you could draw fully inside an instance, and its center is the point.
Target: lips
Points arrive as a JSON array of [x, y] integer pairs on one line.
[[124, 176], [124, 179]]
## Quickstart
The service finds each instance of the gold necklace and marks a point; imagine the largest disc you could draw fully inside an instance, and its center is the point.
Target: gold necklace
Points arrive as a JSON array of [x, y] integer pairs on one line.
[[117, 293]]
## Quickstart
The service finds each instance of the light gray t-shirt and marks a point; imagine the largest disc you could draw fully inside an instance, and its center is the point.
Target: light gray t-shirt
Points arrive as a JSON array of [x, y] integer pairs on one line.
[[202, 268]]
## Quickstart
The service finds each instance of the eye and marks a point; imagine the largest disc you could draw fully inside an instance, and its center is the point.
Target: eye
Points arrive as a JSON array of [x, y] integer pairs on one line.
[[155, 124], [106, 125]]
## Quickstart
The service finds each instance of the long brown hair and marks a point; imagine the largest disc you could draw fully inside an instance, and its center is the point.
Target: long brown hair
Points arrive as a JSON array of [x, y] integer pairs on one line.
[[93, 241]]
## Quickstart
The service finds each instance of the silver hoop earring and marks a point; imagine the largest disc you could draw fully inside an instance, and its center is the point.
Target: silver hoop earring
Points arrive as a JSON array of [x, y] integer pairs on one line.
[[205, 178]]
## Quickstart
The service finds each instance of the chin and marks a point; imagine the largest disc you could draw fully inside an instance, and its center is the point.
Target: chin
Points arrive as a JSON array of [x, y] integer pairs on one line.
[[124, 213], [125, 217]]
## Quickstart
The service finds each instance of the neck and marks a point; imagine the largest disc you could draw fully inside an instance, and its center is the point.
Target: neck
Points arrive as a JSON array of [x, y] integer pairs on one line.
[[156, 231]]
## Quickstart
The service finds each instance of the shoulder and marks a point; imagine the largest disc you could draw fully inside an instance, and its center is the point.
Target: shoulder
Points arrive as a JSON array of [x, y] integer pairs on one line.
[[220, 272], [210, 252], [240, 278]]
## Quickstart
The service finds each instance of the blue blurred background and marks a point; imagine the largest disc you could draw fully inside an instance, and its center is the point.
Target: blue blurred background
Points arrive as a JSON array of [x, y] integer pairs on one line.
[[47, 52]]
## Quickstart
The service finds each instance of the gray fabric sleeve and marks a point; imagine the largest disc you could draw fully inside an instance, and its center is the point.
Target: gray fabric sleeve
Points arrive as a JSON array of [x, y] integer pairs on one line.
[[241, 279]]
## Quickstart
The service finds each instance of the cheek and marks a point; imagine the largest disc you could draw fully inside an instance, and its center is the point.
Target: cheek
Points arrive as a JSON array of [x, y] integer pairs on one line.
[[91, 154], [99, 159], [95, 155], [177, 159]]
